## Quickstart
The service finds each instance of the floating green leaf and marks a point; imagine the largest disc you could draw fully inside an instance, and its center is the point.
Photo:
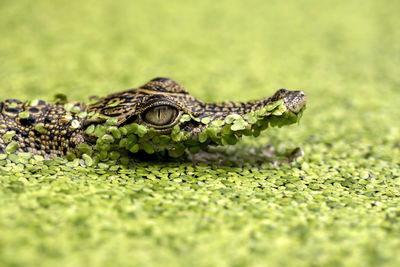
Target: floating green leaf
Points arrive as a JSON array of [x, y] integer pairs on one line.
[[115, 132], [68, 106], [134, 148], [107, 138], [85, 148], [40, 128], [99, 131], [75, 124], [203, 136], [148, 148], [12, 147], [231, 118], [114, 155], [7, 137], [177, 150], [114, 104], [205, 120], [141, 130], [90, 129], [239, 124], [76, 109], [23, 115], [185, 118], [88, 160]]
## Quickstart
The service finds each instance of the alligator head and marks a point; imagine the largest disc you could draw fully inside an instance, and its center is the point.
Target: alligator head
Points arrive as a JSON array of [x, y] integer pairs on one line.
[[163, 108]]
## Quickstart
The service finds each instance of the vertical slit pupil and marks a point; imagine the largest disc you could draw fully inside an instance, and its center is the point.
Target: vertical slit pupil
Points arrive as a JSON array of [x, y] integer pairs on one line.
[[159, 113]]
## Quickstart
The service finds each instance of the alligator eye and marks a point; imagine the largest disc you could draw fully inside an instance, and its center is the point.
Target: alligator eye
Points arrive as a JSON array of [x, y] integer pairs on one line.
[[160, 115]]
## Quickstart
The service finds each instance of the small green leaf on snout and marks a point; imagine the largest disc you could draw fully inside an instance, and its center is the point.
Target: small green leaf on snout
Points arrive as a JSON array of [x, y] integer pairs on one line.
[[205, 120], [239, 124], [68, 106], [231, 118], [76, 109], [217, 123]]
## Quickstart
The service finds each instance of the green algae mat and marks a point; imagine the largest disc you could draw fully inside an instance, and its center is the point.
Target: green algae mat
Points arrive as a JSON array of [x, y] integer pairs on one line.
[[242, 205]]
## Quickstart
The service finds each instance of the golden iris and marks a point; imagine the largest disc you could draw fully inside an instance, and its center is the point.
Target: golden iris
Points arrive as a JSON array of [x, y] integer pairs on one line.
[[160, 115]]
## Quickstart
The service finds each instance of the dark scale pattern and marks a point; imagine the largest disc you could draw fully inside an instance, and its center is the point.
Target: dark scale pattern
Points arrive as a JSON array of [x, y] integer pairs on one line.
[[58, 130], [127, 107]]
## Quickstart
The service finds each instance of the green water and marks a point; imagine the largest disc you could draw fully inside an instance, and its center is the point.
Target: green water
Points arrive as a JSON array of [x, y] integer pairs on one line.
[[339, 205]]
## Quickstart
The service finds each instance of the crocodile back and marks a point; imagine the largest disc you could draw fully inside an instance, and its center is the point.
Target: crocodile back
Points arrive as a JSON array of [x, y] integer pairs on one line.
[[39, 127]]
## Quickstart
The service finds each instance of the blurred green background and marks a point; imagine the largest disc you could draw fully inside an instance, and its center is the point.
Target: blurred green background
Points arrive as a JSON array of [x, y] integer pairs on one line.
[[338, 206]]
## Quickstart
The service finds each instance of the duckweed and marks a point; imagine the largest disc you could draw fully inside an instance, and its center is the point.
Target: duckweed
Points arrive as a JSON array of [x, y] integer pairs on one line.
[[259, 202]]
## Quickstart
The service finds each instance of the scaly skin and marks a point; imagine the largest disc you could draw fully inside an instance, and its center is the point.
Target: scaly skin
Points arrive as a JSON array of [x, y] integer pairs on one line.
[[50, 130]]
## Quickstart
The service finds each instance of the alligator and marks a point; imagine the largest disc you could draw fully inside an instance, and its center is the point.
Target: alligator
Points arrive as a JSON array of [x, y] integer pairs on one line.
[[160, 115]]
